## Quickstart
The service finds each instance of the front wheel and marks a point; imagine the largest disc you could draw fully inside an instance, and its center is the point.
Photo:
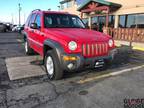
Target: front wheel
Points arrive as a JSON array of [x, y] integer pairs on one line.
[[52, 66]]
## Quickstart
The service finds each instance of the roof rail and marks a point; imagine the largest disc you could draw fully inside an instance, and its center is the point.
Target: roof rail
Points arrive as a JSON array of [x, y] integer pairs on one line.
[[36, 10]]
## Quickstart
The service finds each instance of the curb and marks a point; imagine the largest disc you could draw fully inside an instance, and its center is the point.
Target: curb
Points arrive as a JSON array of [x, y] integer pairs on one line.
[[134, 45], [138, 48]]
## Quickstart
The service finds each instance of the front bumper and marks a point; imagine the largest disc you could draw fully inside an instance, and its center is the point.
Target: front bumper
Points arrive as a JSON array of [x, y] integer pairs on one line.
[[82, 62]]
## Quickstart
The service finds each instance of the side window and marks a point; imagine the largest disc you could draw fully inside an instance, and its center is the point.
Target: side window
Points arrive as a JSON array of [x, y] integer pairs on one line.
[[48, 21], [27, 21], [38, 20], [32, 19]]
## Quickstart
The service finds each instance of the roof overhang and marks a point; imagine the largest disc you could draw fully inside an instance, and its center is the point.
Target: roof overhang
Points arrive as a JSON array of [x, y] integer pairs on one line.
[[112, 6]]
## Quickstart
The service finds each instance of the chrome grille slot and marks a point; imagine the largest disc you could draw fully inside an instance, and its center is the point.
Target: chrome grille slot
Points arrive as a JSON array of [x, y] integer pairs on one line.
[[94, 49]]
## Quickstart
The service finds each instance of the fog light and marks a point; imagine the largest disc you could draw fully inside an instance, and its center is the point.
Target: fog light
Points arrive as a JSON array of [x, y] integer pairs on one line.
[[97, 63], [69, 58], [70, 66]]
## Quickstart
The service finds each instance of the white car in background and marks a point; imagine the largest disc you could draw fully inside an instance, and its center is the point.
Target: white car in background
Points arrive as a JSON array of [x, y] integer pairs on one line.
[[15, 28], [18, 28]]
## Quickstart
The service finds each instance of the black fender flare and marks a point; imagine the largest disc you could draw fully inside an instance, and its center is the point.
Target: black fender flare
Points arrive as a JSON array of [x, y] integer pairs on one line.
[[25, 36], [58, 49]]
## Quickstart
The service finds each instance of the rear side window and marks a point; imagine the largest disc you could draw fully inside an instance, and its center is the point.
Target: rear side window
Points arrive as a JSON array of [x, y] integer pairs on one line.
[[32, 19], [27, 21], [38, 20]]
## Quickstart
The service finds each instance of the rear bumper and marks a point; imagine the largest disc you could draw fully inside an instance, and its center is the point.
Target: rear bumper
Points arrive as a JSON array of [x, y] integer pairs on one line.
[[82, 62]]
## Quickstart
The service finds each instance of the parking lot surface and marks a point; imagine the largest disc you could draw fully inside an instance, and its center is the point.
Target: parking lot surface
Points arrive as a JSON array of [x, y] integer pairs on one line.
[[84, 89]]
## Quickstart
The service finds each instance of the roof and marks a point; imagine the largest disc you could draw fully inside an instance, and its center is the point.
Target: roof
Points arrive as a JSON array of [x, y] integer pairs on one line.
[[48, 11], [56, 12], [99, 1]]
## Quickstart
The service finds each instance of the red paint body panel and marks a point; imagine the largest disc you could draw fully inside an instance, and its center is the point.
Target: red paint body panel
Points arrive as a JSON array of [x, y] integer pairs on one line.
[[88, 40]]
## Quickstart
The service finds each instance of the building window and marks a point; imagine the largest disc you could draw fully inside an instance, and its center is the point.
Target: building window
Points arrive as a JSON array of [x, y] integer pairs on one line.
[[85, 21], [63, 6], [94, 23], [111, 21], [69, 4], [102, 22], [94, 20], [139, 21], [131, 21], [122, 21]]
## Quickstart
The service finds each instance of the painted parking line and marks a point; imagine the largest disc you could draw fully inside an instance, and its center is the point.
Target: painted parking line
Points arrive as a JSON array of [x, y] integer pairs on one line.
[[19, 40], [109, 74], [138, 48]]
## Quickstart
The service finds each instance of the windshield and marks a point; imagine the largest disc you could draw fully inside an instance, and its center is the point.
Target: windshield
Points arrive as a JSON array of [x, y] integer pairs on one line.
[[62, 21]]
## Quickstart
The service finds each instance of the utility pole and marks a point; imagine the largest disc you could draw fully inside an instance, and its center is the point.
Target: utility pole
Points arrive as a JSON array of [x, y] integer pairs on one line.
[[24, 17], [19, 14], [12, 21]]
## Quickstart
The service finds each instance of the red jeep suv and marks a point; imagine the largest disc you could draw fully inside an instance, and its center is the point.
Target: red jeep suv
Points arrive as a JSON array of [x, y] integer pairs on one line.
[[64, 43]]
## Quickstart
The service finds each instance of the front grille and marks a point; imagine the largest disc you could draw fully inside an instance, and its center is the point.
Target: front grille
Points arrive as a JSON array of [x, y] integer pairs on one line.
[[95, 49]]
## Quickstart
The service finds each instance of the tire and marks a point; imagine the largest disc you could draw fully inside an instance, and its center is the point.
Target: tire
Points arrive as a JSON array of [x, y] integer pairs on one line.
[[52, 66], [28, 50]]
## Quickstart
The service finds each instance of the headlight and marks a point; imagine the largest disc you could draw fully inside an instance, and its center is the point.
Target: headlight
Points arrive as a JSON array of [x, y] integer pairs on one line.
[[110, 43], [72, 45]]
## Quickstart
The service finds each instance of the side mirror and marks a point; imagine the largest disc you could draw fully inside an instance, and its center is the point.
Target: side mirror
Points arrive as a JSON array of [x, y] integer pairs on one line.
[[33, 26]]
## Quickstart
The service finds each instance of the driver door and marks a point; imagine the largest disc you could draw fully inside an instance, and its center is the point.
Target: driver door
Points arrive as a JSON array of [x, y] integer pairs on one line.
[[39, 38]]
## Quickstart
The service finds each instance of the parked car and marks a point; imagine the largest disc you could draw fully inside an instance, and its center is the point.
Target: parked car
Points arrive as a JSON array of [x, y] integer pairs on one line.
[[8, 26], [14, 29], [65, 44], [18, 28], [3, 27]]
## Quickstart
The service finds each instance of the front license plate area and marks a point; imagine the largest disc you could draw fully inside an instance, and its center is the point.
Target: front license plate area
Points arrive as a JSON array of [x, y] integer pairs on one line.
[[99, 63]]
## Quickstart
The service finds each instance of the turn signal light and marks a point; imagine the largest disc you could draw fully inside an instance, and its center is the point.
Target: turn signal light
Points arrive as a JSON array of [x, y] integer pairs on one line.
[[69, 58]]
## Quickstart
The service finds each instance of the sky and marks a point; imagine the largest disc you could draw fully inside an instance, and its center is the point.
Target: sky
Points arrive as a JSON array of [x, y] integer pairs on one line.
[[9, 8]]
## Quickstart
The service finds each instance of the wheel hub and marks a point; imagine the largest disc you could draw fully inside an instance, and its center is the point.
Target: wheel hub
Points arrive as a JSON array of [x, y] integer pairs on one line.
[[26, 47], [50, 65]]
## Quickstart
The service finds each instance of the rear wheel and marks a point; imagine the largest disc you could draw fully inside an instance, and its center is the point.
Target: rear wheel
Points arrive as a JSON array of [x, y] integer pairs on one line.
[[28, 50], [52, 66]]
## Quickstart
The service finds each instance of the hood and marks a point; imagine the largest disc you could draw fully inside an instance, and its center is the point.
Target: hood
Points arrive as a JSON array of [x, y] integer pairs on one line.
[[76, 34]]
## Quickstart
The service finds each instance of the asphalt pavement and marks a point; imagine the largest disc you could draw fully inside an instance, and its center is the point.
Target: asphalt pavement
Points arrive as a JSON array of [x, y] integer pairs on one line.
[[102, 92]]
